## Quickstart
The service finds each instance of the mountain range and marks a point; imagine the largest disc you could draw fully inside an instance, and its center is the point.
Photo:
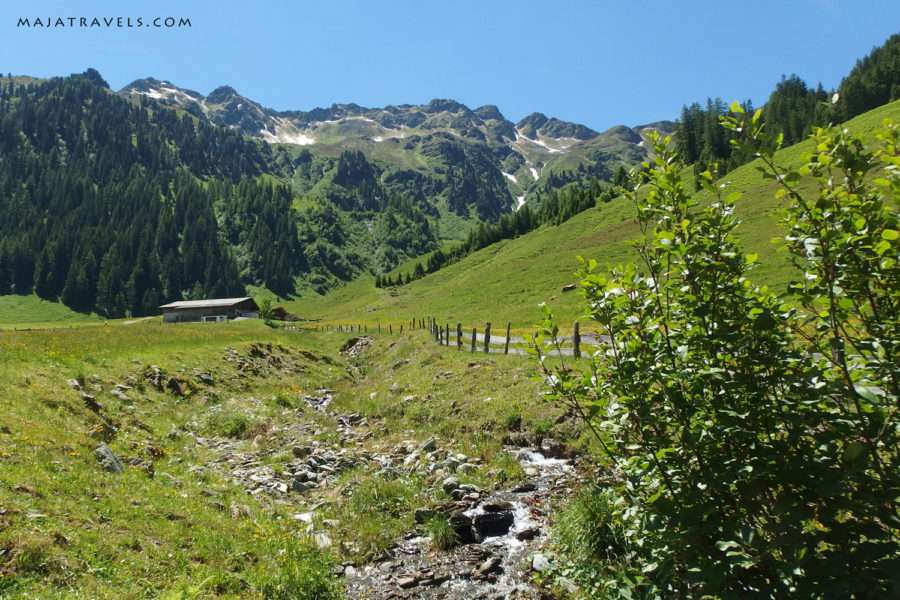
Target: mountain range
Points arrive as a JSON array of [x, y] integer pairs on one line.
[[536, 154]]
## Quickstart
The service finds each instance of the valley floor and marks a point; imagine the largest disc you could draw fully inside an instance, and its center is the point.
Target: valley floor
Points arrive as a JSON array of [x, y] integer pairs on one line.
[[268, 463]]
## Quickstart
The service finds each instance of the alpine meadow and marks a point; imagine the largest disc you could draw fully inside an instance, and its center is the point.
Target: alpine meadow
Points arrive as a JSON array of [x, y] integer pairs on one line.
[[423, 351]]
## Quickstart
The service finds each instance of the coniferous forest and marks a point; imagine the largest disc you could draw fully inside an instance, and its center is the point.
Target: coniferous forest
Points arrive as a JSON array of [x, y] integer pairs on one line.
[[115, 206]]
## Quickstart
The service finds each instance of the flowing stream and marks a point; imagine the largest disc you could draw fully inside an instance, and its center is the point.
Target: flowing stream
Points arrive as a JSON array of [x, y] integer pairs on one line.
[[497, 565]]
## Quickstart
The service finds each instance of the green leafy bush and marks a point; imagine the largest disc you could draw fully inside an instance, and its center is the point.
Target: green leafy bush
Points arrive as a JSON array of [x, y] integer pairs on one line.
[[754, 438]]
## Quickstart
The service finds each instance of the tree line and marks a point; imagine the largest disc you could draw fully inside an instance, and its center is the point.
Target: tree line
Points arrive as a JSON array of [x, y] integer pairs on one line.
[[793, 109]]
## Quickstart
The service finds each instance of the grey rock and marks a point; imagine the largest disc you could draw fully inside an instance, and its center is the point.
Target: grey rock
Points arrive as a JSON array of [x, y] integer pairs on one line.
[[450, 484], [406, 582], [466, 468], [540, 563], [428, 445], [551, 448], [529, 533], [108, 459], [491, 565]]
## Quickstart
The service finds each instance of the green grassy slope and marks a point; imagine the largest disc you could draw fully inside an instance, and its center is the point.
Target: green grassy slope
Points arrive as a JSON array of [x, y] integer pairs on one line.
[[507, 281], [178, 523], [31, 311]]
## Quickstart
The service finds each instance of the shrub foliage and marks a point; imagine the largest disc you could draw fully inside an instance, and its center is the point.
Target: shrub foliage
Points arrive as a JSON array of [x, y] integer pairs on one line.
[[754, 438]]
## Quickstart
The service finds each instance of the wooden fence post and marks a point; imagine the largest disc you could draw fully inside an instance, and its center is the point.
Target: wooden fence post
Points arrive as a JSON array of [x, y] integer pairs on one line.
[[506, 347], [487, 337], [576, 340], [459, 336], [379, 328], [474, 336], [391, 329]]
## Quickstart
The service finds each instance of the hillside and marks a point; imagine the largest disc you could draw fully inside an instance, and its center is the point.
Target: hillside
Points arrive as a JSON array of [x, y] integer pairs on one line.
[[506, 281]]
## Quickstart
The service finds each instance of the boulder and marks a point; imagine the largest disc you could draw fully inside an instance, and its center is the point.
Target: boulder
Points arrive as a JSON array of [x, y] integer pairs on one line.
[[493, 523], [450, 484], [108, 459], [462, 525]]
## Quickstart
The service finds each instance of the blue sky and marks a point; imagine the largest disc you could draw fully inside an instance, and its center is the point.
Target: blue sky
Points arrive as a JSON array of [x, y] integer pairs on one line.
[[600, 63]]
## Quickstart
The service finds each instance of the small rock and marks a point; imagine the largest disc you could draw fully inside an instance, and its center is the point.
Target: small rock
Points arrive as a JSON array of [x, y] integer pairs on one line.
[[569, 287], [92, 403], [462, 524], [301, 451], [406, 582], [108, 459], [497, 506], [529, 533], [491, 565], [521, 488], [450, 484], [73, 383], [428, 445], [551, 448], [540, 563], [241, 511], [400, 363]]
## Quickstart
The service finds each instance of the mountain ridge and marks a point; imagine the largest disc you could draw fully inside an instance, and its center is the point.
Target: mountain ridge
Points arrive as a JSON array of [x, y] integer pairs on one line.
[[524, 152]]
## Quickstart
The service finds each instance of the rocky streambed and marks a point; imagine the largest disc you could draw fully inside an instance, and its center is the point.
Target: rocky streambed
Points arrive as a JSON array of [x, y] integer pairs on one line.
[[500, 530], [500, 535]]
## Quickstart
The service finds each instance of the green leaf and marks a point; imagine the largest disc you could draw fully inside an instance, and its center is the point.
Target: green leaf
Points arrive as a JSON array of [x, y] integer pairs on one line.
[[854, 451], [725, 545], [890, 234], [751, 258]]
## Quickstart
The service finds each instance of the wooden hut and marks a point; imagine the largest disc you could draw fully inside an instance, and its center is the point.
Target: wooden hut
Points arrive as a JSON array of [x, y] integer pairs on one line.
[[208, 311]]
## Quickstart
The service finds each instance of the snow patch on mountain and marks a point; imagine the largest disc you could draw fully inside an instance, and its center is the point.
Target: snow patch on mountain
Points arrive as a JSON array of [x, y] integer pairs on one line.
[[510, 177], [534, 173]]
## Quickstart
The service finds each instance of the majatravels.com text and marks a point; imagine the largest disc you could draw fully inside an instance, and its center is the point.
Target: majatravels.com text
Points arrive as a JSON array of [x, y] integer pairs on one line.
[[102, 22]]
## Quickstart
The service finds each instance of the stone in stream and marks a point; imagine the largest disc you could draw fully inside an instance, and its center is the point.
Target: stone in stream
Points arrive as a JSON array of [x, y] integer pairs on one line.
[[529, 533], [462, 524], [551, 448], [491, 565], [493, 523]]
